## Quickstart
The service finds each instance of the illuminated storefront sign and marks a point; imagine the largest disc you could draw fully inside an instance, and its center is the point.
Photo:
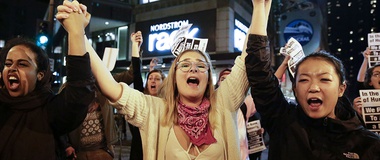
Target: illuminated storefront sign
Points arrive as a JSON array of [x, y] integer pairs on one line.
[[240, 33], [162, 35], [158, 34], [299, 29]]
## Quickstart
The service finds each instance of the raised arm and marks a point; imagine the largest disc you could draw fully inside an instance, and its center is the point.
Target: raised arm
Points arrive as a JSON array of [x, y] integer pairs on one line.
[[261, 9], [68, 109], [282, 68], [137, 40], [75, 26], [107, 85], [153, 63], [364, 66]]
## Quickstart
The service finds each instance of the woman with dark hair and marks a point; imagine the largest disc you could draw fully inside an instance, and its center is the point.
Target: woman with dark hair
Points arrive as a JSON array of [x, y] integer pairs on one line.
[[322, 125], [154, 80], [368, 78], [372, 77], [31, 115]]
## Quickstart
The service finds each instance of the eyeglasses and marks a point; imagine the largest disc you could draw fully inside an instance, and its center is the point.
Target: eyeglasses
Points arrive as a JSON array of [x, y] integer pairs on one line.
[[185, 66]]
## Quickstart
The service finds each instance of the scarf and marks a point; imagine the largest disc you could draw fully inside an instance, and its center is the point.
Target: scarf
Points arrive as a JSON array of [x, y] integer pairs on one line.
[[33, 100], [194, 121]]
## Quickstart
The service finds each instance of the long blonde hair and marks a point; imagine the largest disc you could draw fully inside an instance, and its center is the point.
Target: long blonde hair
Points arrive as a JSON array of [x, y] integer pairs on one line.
[[169, 92]]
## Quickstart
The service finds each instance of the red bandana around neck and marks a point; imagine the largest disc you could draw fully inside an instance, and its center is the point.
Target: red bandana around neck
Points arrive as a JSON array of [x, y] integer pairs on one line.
[[194, 121]]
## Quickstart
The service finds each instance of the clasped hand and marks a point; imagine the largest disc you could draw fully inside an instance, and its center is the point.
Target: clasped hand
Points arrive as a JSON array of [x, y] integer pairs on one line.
[[73, 16]]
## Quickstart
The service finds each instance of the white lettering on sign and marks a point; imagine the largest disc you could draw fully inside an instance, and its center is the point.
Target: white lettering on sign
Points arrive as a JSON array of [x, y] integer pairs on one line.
[[168, 26], [161, 41]]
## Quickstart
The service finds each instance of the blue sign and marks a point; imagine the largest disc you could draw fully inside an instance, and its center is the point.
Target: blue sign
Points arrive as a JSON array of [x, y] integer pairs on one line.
[[299, 29]]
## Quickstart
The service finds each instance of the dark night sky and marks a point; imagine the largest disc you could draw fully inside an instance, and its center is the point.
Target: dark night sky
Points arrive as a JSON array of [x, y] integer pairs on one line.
[[18, 17]]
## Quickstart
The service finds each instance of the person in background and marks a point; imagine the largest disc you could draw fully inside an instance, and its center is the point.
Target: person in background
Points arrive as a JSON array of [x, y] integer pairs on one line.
[[31, 115], [154, 80], [371, 81], [323, 124], [250, 114], [372, 77], [368, 78], [241, 123], [91, 140], [364, 66], [136, 152], [189, 119], [94, 139], [222, 75]]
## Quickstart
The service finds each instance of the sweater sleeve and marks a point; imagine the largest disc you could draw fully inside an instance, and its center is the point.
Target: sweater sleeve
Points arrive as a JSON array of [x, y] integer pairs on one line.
[[136, 106], [233, 90], [69, 108], [265, 91]]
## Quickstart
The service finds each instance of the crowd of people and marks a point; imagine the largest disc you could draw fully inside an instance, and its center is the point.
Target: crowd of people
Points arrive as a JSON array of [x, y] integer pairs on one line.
[[181, 115]]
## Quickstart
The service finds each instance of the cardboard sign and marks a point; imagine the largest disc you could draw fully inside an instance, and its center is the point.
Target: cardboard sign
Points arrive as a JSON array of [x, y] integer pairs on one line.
[[109, 57]]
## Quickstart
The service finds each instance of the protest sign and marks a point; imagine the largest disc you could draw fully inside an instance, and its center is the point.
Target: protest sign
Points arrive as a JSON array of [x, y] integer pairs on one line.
[[370, 100], [181, 42], [374, 46], [109, 57], [255, 141], [294, 50]]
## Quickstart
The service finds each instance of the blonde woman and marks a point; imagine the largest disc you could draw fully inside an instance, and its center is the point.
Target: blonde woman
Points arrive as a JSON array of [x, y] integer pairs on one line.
[[189, 119]]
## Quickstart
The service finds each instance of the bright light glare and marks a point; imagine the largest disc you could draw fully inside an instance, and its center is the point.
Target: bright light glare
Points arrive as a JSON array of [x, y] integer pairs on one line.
[[43, 39]]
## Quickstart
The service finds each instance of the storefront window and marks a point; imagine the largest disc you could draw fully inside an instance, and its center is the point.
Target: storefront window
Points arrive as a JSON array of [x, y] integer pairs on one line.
[[147, 1]]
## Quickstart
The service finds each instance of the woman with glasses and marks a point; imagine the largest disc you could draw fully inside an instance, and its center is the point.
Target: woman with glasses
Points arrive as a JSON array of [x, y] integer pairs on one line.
[[189, 119], [368, 78]]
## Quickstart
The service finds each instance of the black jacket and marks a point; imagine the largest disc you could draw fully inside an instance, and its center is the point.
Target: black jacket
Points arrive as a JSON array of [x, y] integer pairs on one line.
[[295, 136], [29, 124]]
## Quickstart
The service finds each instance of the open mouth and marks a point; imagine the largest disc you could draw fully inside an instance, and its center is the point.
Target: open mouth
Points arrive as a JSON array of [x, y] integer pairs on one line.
[[314, 102], [13, 82], [153, 86], [193, 81]]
